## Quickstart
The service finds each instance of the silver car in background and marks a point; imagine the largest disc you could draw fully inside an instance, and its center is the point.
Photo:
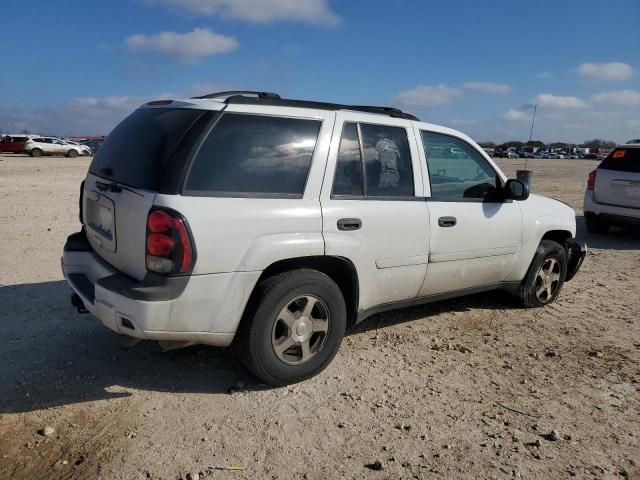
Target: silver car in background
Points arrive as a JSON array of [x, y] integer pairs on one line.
[[612, 196]]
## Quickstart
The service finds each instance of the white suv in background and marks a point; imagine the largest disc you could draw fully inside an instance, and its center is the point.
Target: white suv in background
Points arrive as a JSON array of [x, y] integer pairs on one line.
[[612, 196], [39, 146], [273, 224]]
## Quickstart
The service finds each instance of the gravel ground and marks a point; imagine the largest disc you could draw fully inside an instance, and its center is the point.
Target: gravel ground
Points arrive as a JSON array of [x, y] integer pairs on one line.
[[469, 388]]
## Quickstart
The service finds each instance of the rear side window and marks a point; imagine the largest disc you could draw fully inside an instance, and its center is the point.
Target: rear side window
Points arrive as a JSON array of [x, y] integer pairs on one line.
[[380, 154], [254, 155], [623, 160], [387, 161], [348, 176], [137, 151]]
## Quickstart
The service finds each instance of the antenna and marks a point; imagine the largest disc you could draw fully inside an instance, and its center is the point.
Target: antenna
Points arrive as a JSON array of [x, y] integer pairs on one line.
[[533, 121]]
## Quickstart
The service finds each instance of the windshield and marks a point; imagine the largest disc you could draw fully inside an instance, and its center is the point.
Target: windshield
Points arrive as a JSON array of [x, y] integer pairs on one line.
[[136, 152]]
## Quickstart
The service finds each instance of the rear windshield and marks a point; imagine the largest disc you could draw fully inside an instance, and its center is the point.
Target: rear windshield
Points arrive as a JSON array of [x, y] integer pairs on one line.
[[623, 160], [136, 152]]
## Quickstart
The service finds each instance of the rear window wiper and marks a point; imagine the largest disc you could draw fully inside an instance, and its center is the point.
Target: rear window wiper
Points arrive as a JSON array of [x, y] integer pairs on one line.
[[108, 187]]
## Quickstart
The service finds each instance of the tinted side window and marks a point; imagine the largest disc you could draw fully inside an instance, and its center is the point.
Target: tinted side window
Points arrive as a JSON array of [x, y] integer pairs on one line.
[[456, 169], [348, 176], [254, 154], [387, 159]]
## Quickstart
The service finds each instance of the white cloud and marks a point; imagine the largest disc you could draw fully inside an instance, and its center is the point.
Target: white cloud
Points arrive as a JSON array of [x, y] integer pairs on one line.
[[188, 47], [515, 115], [619, 97], [317, 12], [555, 101], [545, 75], [488, 87], [428, 96], [606, 71]]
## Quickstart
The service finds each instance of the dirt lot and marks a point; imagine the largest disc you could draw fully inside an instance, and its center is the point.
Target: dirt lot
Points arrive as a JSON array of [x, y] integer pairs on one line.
[[468, 388]]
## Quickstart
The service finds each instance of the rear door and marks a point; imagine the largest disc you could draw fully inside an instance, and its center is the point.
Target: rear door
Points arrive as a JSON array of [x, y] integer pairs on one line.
[[373, 207], [124, 178], [618, 178], [44, 144]]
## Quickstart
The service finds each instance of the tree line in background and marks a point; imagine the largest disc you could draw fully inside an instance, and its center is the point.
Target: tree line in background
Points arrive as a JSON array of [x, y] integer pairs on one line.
[[593, 143]]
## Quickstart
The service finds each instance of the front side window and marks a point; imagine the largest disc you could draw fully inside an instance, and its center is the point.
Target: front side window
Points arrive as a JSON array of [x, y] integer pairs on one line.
[[457, 171], [378, 153], [255, 155]]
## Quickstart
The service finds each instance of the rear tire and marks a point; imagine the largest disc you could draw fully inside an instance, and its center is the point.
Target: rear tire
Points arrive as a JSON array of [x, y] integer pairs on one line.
[[596, 224], [546, 275], [36, 152], [292, 327], [72, 153]]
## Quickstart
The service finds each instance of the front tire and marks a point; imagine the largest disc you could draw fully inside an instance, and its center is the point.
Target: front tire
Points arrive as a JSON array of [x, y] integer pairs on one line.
[[292, 328], [72, 153], [36, 152], [546, 275]]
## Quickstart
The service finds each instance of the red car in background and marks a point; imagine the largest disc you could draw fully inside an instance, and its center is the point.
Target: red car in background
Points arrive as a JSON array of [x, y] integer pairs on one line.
[[13, 143]]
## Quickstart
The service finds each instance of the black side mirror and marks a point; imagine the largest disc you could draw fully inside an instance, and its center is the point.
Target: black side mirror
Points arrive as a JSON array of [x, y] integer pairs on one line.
[[516, 190]]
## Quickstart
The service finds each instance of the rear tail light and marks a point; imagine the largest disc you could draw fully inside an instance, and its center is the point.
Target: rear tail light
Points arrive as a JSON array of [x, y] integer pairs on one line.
[[591, 183], [169, 248]]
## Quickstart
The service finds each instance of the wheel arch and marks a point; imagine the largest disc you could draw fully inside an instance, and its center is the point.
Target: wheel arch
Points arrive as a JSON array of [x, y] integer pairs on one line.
[[558, 236], [340, 269]]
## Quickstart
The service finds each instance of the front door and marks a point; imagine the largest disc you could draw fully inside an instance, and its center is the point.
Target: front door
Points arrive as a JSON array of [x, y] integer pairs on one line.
[[475, 235], [373, 208]]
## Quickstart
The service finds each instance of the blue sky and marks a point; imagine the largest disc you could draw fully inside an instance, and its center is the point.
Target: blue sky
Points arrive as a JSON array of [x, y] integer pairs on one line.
[[78, 67]]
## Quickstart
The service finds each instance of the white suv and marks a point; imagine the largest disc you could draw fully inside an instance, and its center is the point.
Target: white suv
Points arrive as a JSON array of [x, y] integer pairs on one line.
[[273, 224], [39, 146], [612, 196]]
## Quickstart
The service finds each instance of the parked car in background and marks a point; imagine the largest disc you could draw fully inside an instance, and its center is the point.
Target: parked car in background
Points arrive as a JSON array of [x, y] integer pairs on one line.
[[272, 224], [38, 146], [13, 143], [511, 154], [612, 196], [83, 149]]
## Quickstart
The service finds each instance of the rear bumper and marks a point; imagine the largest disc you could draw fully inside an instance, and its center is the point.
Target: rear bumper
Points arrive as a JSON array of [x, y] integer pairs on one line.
[[614, 214], [198, 309], [576, 253]]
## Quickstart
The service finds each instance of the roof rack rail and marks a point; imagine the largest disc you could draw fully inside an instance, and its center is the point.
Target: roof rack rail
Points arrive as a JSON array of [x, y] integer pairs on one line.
[[233, 93], [250, 97], [277, 101]]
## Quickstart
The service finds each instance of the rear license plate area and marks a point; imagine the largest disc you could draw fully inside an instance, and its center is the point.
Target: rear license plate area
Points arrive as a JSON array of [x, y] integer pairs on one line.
[[100, 219]]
